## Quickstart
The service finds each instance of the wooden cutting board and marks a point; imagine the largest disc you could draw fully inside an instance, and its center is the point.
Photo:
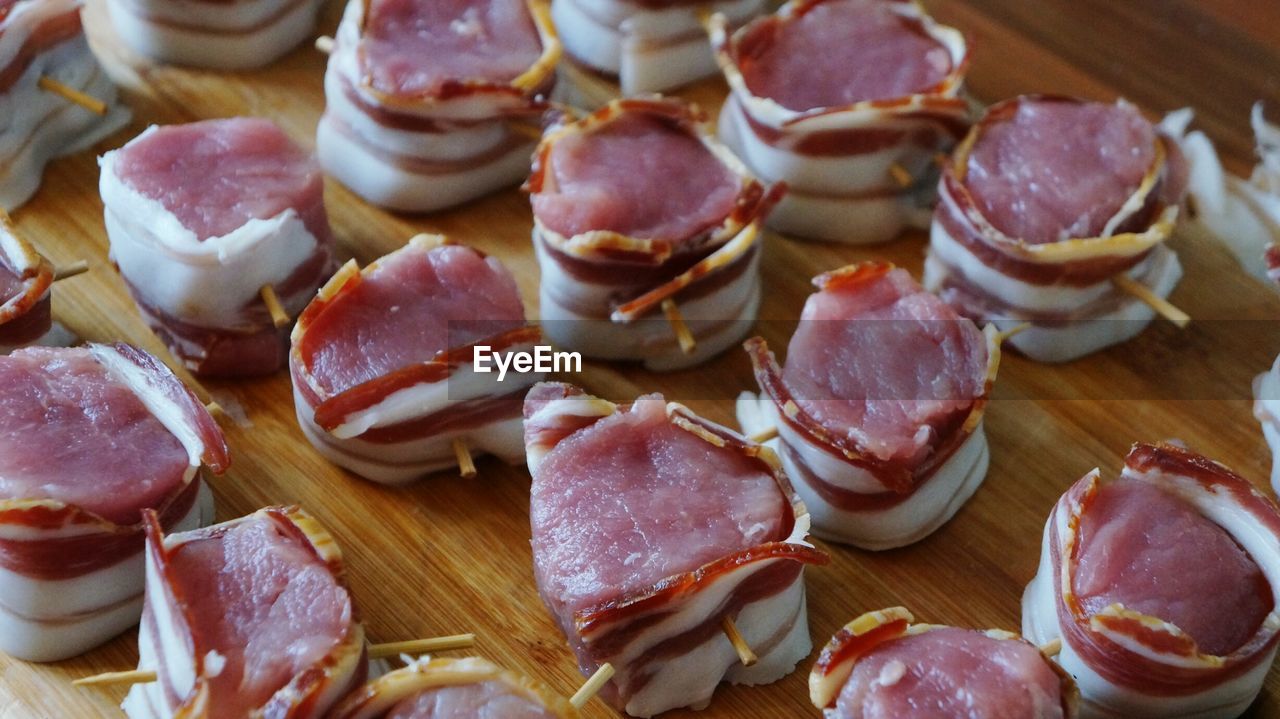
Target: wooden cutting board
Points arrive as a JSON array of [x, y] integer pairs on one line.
[[449, 555]]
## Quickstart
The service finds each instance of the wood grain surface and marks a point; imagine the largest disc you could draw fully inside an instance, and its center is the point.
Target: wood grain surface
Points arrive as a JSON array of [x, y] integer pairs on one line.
[[449, 555]]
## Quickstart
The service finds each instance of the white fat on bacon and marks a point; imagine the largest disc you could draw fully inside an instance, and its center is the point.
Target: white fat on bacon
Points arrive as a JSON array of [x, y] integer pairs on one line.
[[201, 217], [44, 38], [1244, 214], [879, 407], [240, 35], [1161, 586], [431, 104], [1044, 206], [847, 102], [882, 665], [251, 617], [616, 235], [651, 527], [383, 367], [644, 45], [119, 434]]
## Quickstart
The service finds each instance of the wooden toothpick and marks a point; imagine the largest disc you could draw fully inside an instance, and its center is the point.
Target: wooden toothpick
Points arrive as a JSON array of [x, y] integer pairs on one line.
[[683, 335], [376, 651], [324, 44], [900, 175], [79, 267], [764, 435], [1163, 307], [70, 94], [592, 686], [745, 655], [279, 317], [466, 465], [1019, 328], [1051, 648]]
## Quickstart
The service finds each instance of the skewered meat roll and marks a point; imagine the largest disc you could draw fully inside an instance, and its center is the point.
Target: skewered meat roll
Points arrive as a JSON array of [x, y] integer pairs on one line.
[[383, 362], [883, 665], [90, 437], [848, 102], [219, 35], [251, 617], [879, 407], [1243, 214], [203, 217], [617, 236], [431, 103], [469, 688], [39, 39], [1046, 206], [652, 527], [643, 45], [1161, 586], [26, 279]]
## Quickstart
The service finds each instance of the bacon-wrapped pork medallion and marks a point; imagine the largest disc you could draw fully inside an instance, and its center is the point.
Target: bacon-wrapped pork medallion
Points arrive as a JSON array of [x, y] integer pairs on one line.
[[42, 40], [90, 437], [237, 35], [878, 409], [469, 688], [636, 209], [384, 362], [26, 281], [642, 45], [847, 102], [1049, 210], [653, 529], [205, 218], [248, 618], [431, 103], [883, 665], [1243, 214], [1162, 588]]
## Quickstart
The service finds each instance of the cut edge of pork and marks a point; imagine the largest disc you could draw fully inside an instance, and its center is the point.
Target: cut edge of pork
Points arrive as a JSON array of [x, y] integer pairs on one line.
[[308, 695], [1130, 664], [776, 625], [377, 697], [859, 637]]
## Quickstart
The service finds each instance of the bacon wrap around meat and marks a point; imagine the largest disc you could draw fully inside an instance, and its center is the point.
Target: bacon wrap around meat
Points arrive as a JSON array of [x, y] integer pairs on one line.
[[602, 291], [856, 497], [25, 315], [632, 47], [426, 151], [401, 426], [240, 35], [665, 642], [1063, 289], [1132, 665], [45, 38], [1243, 214], [178, 650], [878, 629], [839, 162], [379, 697], [71, 579], [202, 294]]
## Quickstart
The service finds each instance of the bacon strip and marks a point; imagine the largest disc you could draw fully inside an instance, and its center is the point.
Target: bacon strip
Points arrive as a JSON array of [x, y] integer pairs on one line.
[[25, 316]]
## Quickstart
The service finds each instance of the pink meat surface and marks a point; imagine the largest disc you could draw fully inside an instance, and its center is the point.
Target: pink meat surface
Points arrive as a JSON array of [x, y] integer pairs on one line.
[[263, 600], [631, 500], [953, 674], [1151, 551], [216, 175], [415, 47], [71, 432], [483, 700], [885, 364], [842, 52], [413, 305], [1057, 170], [640, 175]]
